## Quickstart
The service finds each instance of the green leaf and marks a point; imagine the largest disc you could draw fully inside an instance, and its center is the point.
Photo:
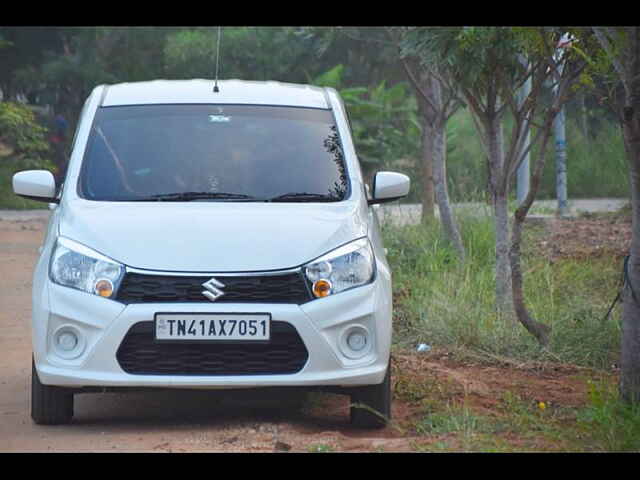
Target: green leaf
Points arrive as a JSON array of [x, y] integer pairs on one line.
[[331, 78]]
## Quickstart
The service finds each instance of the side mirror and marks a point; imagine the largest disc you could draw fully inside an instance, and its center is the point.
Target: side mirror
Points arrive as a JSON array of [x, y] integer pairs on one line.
[[36, 185], [389, 186]]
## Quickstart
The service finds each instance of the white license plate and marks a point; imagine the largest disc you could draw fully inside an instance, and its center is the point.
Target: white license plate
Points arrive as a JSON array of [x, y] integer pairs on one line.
[[213, 326]]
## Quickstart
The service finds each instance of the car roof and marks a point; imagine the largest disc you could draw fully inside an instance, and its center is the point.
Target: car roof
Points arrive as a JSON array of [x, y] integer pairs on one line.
[[201, 91]]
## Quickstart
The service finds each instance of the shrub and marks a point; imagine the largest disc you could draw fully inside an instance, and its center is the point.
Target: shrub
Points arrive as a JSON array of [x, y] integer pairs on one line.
[[20, 131]]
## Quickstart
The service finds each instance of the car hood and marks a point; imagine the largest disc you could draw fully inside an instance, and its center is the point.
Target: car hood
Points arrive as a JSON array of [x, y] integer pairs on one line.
[[212, 236]]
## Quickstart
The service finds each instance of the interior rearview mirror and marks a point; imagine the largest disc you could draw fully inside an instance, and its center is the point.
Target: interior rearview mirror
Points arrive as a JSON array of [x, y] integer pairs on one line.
[[389, 186]]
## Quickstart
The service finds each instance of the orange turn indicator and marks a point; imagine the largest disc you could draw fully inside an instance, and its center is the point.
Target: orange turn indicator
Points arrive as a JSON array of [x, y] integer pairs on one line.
[[104, 287], [322, 288]]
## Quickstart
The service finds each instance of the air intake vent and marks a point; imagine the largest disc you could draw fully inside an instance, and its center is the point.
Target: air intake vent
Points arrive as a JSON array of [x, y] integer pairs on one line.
[[140, 354]]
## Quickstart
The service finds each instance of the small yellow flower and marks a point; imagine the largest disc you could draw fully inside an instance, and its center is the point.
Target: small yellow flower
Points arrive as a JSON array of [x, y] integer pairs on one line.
[[542, 405]]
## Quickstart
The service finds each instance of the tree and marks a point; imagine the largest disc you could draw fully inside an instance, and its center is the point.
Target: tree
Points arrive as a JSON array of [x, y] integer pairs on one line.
[[621, 48], [438, 100], [248, 53], [23, 135], [489, 65], [368, 56], [94, 55], [23, 48], [59, 66], [424, 109], [435, 105], [382, 120], [560, 68], [382, 112]]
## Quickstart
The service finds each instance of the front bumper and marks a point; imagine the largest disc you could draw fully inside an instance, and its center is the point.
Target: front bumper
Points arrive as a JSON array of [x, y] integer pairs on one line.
[[103, 324]]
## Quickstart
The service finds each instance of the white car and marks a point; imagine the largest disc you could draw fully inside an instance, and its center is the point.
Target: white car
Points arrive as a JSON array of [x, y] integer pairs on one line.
[[212, 240]]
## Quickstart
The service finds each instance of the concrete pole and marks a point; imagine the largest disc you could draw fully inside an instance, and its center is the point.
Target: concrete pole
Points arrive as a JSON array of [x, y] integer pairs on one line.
[[561, 163], [523, 174], [560, 137]]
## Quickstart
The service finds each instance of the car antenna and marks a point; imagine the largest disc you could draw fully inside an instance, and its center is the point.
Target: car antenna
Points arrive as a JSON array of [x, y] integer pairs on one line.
[[215, 86]]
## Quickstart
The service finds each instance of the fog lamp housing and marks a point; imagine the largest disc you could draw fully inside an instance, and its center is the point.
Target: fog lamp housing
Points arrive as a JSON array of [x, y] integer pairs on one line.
[[355, 342], [68, 342]]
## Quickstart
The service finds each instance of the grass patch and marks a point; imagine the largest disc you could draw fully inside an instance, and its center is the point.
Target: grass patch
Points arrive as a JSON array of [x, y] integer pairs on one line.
[[513, 425], [611, 424], [520, 428], [438, 302], [451, 307], [320, 448], [455, 419]]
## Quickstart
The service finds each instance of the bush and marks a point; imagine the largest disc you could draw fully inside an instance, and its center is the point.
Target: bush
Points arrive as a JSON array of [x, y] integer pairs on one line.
[[20, 131]]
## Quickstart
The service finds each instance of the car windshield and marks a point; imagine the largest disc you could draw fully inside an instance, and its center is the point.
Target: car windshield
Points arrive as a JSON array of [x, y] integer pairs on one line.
[[213, 153]]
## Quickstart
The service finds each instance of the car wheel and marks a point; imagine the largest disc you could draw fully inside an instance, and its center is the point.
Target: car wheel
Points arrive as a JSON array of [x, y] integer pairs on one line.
[[371, 405], [49, 405]]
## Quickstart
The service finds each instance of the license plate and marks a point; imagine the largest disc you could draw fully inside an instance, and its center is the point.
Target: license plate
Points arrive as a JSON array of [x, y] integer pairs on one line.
[[213, 326]]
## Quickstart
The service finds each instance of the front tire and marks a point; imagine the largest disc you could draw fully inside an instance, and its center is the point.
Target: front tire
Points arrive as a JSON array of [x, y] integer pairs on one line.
[[371, 405], [49, 405]]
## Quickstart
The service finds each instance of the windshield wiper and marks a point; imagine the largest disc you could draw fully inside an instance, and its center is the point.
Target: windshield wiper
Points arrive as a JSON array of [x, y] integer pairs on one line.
[[304, 197], [189, 196]]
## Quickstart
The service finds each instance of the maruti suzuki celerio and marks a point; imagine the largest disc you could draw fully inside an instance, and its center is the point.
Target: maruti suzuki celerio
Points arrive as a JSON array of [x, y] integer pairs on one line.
[[212, 240]]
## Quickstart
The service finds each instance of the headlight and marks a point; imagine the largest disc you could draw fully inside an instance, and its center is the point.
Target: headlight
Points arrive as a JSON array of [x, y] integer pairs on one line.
[[346, 267], [76, 266]]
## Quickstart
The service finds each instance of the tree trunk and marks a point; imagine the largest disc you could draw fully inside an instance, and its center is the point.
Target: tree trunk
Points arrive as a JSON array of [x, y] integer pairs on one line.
[[499, 196], [504, 297], [433, 115], [426, 120], [626, 62], [630, 350], [539, 330], [535, 328], [441, 191], [428, 213]]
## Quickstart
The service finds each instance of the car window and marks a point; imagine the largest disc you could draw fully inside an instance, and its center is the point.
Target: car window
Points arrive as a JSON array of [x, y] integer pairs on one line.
[[258, 152]]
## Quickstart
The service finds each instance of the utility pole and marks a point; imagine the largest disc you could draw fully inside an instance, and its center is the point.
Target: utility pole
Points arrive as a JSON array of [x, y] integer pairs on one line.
[[559, 133], [561, 163], [523, 174]]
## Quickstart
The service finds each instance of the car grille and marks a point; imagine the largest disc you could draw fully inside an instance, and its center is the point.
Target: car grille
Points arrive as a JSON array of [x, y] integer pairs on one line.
[[282, 288], [140, 354]]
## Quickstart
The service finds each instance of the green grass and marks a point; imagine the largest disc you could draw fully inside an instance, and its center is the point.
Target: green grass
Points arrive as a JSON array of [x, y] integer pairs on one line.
[[455, 419], [611, 425], [8, 199], [451, 307], [517, 425], [605, 424], [440, 303], [320, 448]]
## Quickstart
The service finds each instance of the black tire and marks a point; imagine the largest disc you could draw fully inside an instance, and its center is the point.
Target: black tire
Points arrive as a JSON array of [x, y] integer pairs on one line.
[[371, 405], [49, 405]]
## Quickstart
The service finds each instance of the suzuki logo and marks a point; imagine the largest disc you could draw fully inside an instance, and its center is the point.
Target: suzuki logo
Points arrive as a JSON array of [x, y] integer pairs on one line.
[[213, 292]]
